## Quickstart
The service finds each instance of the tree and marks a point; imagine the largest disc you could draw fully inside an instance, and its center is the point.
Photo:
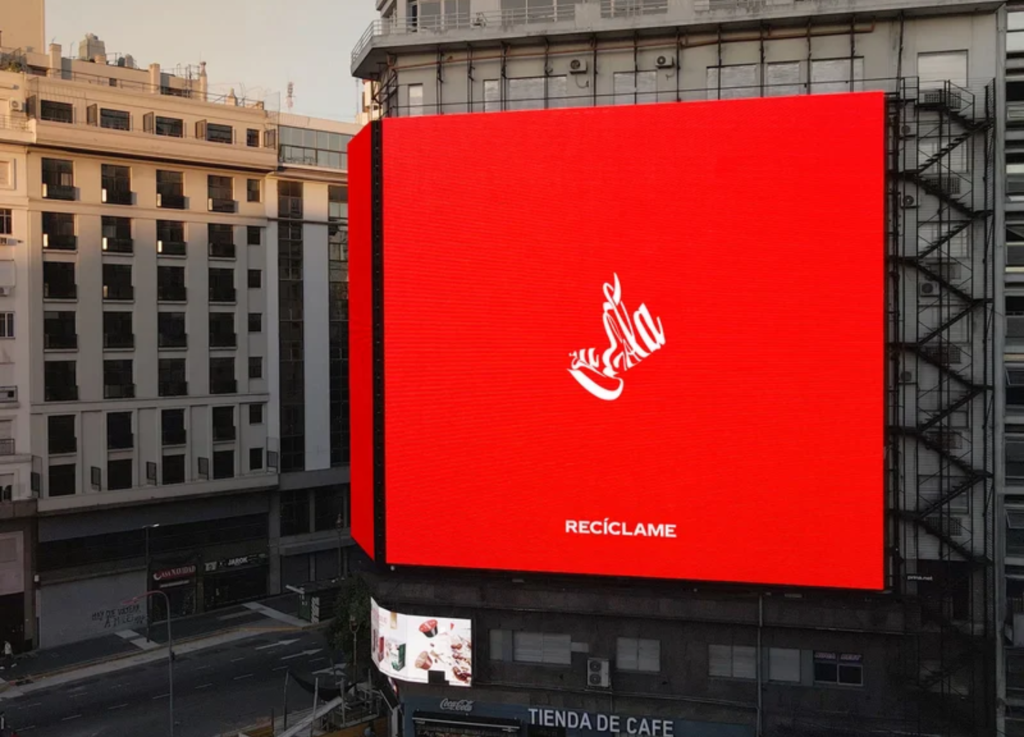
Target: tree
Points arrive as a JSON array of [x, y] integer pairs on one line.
[[352, 607]]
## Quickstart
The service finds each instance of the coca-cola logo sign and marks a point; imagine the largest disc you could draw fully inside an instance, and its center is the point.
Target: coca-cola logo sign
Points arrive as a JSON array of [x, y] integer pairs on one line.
[[464, 706]]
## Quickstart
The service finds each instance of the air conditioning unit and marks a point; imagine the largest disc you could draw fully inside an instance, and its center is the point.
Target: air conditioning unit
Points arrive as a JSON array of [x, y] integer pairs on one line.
[[6, 240], [598, 673], [17, 106], [6, 291], [928, 289], [906, 377], [665, 62], [577, 66]]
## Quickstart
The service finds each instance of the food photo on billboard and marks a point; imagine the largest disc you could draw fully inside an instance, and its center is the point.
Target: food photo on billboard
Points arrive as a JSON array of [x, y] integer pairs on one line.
[[409, 647]]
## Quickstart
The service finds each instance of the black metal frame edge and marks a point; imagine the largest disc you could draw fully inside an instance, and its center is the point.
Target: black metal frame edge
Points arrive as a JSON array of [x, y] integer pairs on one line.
[[377, 266]]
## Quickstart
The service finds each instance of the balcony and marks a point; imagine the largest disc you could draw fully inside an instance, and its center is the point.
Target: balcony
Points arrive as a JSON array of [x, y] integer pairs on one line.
[[218, 204], [118, 342], [60, 291], [61, 393], [118, 292], [118, 245], [223, 433], [224, 295], [119, 391], [173, 389], [171, 201], [7, 447], [223, 386], [222, 250], [60, 342], [55, 242], [171, 294], [223, 340], [172, 248], [60, 192], [175, 437], [173, 340], [118, 197]]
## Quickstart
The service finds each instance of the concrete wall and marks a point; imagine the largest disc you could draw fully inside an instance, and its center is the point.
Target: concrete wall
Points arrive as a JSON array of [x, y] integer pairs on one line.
[[77, 610]]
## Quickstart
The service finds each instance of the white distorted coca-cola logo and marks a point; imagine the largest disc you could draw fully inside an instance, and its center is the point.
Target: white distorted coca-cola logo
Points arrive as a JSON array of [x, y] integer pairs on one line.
[[631, 339]]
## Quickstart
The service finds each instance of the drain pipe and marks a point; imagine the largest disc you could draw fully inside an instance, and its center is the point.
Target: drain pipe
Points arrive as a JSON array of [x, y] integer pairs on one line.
[[760, 663]]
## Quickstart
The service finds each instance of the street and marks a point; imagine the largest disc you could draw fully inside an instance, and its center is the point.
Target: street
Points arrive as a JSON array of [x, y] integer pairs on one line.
[[215, 690]]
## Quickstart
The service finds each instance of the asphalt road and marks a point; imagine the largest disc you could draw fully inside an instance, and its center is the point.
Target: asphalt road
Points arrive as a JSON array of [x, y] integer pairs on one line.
[[216, 690]]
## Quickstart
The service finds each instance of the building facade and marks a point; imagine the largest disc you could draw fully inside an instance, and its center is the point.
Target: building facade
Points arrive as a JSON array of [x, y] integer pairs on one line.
[[140, 345], [927, 655]]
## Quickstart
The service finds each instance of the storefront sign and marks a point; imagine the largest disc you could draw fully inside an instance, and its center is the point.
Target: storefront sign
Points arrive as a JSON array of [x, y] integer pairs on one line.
[[597, 722], [464, 706], [236, 562], [173, 573]]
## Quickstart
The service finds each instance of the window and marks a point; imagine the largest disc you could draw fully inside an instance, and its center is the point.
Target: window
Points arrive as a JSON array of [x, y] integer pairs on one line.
[[221, 240], [171, 330], [117, 282], [294, 512], [330, 503], [174, 469], [117, 184], [170, 284], [783, 78], [5, 221], [732, 661], [255, 279], [58, 179], [935, 69], [119, 120], [252, 138], [255, 367], [172, 380], [223, 424], [170, 189], [337, 203], [117, 234], [222, 285], [635, 87], [170, 238], [255, 414], [492, 96], [60, 383], [415, 99], [255, 322], [289, 202], [222, 330], [117, 379], [638, 655], [62, 480], [834, 75], [221, 191], [172, 127], [253, 235], [117, 330], [119, 474], [59, 231], [252, 190], [6, 324], [57, 112], [222, 376], [172, 425], [59, 280], [541, 647], [845, 669], [314, 148], [60, 434], [784, 665], [739, 80], [59, 331], [255, 459], [119, 431], [531, 93], [219, 133]]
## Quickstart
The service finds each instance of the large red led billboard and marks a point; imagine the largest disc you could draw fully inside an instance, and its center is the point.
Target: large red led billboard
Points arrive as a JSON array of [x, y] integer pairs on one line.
[[627, 341]]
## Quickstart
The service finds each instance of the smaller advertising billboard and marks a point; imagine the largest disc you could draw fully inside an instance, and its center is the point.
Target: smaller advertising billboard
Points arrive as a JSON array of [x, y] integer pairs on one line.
[[409, 647]]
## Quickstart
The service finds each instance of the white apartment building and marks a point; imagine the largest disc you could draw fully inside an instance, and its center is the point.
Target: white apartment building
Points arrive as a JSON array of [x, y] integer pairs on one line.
[[140, 295]]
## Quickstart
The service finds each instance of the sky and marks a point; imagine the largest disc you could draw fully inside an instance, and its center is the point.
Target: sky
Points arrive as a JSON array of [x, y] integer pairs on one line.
[[254, 46]]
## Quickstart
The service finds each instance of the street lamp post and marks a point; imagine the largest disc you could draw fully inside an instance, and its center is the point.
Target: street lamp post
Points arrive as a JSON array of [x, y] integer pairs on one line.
[[149, 618], [170, 650], [353, 624]]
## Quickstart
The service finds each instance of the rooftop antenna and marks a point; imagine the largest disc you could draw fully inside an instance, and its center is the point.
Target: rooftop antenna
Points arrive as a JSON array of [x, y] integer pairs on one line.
[[290, 100]]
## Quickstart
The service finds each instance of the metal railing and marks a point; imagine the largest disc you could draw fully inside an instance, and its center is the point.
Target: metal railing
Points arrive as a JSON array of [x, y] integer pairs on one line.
[[8, 122]]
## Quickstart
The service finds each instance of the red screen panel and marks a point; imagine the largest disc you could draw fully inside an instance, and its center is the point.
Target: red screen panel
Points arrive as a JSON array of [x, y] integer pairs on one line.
[[638, 341], [360, 305]]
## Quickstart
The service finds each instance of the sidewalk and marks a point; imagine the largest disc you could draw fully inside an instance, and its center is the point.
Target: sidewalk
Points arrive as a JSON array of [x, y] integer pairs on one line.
[[279, 612]]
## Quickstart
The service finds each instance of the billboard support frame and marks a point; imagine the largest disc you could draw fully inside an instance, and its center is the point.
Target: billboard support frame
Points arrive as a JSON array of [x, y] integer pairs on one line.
[[377, 288]]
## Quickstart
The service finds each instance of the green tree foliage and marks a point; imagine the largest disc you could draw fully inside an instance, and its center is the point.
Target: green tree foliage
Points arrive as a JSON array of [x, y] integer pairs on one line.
[[352, 607]]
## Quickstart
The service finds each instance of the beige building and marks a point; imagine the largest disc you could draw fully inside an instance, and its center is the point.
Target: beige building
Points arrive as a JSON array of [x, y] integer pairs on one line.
[[140, 295]]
